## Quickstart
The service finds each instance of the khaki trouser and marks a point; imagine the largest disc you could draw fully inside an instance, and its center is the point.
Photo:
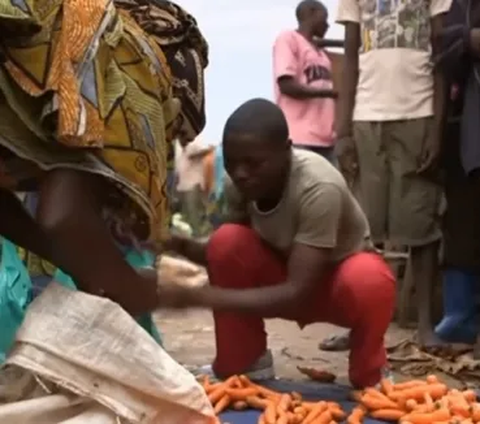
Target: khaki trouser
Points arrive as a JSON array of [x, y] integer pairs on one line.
[[401, 205]]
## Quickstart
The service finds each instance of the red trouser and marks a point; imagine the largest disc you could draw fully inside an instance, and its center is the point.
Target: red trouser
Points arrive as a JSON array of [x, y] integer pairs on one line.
[[358, 294]]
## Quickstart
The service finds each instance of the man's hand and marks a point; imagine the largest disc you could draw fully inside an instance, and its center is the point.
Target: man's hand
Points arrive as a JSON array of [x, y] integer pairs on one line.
[[175, 296], [430, 154], [347, 158]]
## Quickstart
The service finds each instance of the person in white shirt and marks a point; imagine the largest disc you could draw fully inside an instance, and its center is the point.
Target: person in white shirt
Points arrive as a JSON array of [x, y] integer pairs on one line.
[[389, 128], [191, 182]]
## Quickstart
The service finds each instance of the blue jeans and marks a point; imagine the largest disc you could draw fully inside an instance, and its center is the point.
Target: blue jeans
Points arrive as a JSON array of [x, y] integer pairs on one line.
[[327, 152]]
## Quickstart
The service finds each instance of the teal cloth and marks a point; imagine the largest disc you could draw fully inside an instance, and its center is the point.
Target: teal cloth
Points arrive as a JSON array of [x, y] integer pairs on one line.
[[16, 293]]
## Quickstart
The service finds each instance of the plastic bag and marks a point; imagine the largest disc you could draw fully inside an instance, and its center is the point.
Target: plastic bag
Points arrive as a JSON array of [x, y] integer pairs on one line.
[[15, 289], [90, 349]]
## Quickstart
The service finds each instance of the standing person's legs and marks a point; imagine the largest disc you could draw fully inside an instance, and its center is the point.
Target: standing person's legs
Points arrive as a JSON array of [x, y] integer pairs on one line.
[[414, 214], [371, 190], [359, 295]]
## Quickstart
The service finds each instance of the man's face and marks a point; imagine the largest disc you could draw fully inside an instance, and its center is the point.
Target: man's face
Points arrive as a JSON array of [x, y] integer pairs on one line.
[[254, 167], [320, 21]]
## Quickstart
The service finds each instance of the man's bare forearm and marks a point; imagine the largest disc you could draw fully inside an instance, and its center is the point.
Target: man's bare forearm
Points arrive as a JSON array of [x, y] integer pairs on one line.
[[349, 81], [295, 90]]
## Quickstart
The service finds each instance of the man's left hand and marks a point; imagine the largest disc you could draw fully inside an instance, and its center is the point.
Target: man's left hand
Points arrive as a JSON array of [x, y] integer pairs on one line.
[[176, 296], [430, 154]]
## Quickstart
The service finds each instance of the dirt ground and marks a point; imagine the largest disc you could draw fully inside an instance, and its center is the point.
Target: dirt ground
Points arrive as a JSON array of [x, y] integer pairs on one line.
[[189, 338]]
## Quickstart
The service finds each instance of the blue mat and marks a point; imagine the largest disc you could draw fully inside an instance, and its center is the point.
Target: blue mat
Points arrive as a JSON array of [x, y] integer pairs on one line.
[[309, 390]]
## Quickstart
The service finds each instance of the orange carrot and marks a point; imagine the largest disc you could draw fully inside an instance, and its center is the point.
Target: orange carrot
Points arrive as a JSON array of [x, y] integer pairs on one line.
[[271, 413], [377, 394], [387, 414], [373, 402], [386, 385], [296, 396], [240, 405], [241, 394], [356, 416], [428, 418], [222, 404], [284, 403], [324, 418], [217, 394], [261, 419], [476, 412], [436, 391], [470, 395], [411, 404], [233, 381], [257, 403], [282, 419], [337, 413], [432, 379], [316, 410], [409, 384]]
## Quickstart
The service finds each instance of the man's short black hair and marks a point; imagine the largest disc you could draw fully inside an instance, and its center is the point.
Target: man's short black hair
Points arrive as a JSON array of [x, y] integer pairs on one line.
[[260, 118], [306, 7]]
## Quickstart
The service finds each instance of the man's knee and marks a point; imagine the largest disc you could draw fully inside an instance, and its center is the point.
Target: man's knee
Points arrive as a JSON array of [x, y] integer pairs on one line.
[[229, 241]]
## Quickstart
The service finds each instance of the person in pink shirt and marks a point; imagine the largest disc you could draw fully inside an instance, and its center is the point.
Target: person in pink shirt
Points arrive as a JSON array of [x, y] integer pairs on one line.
[[303, 81]]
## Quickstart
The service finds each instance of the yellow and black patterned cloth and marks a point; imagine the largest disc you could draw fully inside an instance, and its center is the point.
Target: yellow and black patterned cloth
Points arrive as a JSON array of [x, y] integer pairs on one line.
[[101, 86]]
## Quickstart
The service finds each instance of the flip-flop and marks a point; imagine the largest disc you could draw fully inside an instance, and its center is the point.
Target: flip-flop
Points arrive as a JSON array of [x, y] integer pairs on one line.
[[336, 343]]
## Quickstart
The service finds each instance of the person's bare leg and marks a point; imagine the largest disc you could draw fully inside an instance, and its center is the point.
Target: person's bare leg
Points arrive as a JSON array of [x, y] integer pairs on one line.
[[69, 213], [425, 270]]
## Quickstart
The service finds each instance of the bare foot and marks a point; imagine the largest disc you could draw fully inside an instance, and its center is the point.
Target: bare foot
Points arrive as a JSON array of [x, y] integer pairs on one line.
[[430, 342]]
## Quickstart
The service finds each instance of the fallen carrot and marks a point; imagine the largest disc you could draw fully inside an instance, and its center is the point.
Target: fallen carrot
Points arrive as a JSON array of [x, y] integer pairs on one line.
[[240, 405], [284, 403], [436, 391], [325, 417], [314, 412], [387, 414], [271, 413], [217, 394], [386, 385], [356, 416], [432, 379], [428, 418], [222, 404], [241, 394], [409, 385], [373, 402], [282, 419], [256, 403]]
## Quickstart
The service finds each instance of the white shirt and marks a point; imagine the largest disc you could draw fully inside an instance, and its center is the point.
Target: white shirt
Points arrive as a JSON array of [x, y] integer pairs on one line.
[[395, 68], [189, 165]]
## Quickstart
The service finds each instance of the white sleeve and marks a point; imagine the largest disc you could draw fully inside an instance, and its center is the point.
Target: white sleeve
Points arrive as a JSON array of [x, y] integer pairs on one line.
[[437, 7], [348, 11]]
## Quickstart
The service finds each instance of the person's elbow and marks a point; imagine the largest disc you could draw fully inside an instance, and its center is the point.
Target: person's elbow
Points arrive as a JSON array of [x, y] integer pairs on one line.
[[286, 86]]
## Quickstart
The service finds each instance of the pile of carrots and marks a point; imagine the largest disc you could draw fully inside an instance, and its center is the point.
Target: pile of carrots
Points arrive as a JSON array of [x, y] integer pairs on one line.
[[418, 402], [239, 393], [412, 402]]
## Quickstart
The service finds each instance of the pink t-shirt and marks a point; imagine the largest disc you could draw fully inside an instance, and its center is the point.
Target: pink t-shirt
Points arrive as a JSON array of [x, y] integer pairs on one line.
[[310, 121]]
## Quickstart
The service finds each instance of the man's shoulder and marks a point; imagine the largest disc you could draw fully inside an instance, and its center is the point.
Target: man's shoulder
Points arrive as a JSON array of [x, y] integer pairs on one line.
[[286, 36], [311, 168]]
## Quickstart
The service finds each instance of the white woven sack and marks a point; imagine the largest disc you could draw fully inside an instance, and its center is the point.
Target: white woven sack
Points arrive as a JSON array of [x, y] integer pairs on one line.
[[92, 348]]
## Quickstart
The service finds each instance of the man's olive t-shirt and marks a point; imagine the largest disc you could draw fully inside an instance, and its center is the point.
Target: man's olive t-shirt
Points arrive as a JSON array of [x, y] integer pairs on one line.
[[317, 209]]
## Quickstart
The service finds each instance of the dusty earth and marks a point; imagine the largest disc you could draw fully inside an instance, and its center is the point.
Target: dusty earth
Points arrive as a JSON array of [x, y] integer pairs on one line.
[[189, 338]]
